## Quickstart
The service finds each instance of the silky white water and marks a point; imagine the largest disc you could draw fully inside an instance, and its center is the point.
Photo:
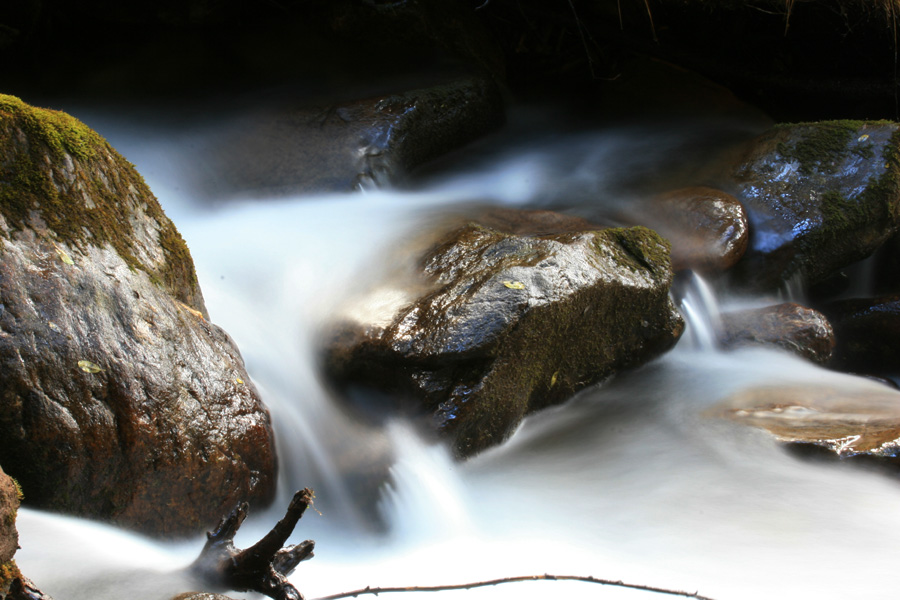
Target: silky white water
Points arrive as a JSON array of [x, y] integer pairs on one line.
[[627, 481]]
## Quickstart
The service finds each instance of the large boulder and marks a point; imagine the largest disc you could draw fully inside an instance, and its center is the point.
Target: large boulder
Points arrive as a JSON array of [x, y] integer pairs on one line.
[[506, 314], [119, 400], [819, 196]]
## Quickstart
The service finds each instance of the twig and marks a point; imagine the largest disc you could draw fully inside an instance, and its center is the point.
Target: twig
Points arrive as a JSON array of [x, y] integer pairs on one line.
[[546, 577]]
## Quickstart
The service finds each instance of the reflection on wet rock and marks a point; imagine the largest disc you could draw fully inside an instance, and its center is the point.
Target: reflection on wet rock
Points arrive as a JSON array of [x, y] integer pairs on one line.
[[514, 311], [794, 328]]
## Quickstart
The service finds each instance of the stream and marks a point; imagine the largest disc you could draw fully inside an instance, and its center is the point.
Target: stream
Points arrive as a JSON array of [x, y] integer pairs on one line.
[[628, 481]]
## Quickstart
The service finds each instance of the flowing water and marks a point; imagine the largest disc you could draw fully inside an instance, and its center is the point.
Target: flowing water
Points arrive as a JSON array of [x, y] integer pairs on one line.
[[627, 481]]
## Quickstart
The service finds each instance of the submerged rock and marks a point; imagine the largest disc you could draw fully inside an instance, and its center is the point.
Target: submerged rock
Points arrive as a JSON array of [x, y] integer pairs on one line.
[[803, 331], [118, 399], [819, 196], [859, 422], [509, 313], [351, 144], [868, 334], [706, 227]]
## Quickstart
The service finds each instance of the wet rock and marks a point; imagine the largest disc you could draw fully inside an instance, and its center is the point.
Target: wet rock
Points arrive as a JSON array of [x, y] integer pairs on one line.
[[119, 400], [200, 596], [347, 145], [819, 196], [868, 334], [506, 314], [886, 272], [706, 227], [9, 505], [803, 331], [859, 422]]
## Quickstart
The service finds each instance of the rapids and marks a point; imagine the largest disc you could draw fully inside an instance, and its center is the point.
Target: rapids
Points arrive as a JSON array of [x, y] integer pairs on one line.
[[627, 481]]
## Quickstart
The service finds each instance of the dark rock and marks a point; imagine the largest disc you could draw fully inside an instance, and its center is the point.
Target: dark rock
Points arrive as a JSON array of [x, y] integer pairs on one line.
[[507, 314], [858, 422], [9, 505], [795, 328], [706, 227], [118, 399], [886, 273], [819, 196], [346, 145], [868, 334]]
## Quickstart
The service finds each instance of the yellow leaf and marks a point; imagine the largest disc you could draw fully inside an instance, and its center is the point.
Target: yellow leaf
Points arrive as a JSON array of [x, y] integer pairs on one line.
[[514, 285], [89, 367], [239, 380], [193, 311], [63, 256], [553, 379], [863, 137]]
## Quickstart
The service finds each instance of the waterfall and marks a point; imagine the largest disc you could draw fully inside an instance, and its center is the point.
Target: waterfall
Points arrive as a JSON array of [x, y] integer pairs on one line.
[[629, 480]]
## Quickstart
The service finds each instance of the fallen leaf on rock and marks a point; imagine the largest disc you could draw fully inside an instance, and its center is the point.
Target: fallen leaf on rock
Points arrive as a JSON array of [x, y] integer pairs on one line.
[[514, 285], [63, 255], [89, 367]]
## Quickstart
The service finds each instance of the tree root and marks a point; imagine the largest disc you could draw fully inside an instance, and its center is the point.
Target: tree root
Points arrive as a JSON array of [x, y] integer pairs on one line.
[[263, 567]]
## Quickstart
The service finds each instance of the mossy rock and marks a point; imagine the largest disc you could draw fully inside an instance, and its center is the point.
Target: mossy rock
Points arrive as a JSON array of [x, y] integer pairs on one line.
[[10, 496], [504, 317], [119, 400], [819, 196], [59, 173]]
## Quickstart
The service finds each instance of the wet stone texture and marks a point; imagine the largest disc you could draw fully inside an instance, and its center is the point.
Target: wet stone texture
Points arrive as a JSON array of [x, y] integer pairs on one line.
[[707, 227], [119, 400], [858, 422], [868, 334], [9, 505], [506, 314], [819, 196], [803, 331]]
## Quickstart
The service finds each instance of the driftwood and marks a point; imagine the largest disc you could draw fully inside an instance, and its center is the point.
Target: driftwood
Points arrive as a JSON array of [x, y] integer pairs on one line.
[[264, 566], [547, 577]]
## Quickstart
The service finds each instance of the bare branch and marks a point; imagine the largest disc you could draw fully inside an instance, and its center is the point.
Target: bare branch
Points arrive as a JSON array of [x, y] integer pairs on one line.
[[519, 579]]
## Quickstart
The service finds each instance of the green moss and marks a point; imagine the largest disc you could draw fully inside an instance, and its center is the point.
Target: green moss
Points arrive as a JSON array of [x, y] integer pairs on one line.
[[823, 147], [650, 249], [19, 494], [56, 167], [8, 572]]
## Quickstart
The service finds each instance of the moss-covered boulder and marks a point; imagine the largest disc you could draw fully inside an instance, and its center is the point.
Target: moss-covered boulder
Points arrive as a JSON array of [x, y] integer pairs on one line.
[[789, 326], [119, 400], [819, 196], [506, 314]]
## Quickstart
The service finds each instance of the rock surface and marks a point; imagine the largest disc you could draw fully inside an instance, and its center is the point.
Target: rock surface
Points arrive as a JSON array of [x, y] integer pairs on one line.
[[507, 314], [350, 144], [9, 505], [868, 334], [860, 421], [803, 331], [819, 196], [118, 399], [707, 227]]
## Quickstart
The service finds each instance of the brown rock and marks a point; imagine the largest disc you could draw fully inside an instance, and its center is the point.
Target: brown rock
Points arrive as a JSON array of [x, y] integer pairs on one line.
[[118, 399], [860, 421], [707, 227], [9, 505], [505, 315], [795, 328]]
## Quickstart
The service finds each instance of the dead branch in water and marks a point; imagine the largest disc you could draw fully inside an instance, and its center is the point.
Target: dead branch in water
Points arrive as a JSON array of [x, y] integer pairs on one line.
[[546, 577], [264, 566]]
